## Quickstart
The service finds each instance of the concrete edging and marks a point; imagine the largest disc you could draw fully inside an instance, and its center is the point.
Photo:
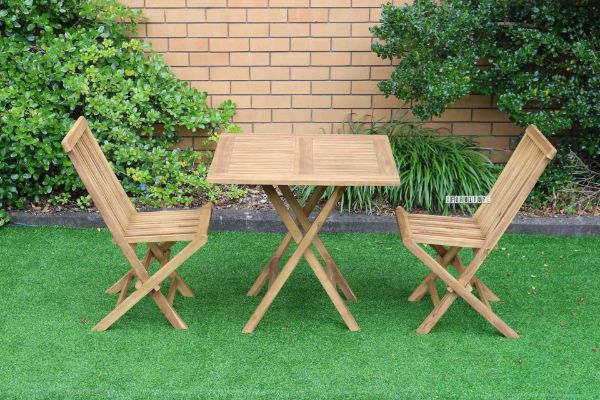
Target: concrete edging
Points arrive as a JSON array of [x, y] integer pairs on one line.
[[268, 221]]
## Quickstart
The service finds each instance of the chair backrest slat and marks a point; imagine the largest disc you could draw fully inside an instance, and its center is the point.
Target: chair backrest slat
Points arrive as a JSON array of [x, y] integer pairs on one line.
[[516, 181], [98, 177]]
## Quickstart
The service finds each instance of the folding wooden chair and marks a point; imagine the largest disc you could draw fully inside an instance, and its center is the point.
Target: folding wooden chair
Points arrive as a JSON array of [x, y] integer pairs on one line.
[[160, 230], [447, 235]]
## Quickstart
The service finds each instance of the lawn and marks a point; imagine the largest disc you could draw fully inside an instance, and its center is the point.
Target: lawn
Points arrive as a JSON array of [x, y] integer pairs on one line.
[[53, 282]]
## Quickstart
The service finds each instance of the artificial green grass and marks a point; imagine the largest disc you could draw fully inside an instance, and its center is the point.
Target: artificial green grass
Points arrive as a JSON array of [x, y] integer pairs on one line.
[[53, 281]]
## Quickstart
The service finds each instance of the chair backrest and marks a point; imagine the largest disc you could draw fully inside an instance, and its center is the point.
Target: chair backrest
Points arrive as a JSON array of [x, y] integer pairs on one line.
[[514, 184], [98, 177]]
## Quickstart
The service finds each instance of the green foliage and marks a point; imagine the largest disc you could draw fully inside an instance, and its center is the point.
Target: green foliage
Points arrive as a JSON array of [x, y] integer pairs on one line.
[[4, 218], [65, 58], [542, 55], [430, 166]]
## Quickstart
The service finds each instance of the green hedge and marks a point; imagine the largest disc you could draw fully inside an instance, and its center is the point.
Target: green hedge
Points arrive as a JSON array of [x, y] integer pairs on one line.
[[543, 56], [62, 59]]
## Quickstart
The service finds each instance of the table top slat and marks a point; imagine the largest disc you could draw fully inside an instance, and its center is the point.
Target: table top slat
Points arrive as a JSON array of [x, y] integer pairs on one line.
[[319, 160]]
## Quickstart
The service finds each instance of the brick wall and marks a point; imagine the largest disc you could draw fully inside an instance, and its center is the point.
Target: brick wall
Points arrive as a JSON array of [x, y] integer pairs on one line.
[[295, 65]]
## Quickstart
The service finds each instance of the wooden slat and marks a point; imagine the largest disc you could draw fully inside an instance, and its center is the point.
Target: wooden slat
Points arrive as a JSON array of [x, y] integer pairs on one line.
[[282, 159], [72, 137]]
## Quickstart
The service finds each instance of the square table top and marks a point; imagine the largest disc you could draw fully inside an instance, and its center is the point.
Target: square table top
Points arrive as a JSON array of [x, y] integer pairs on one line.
[[297, 159]]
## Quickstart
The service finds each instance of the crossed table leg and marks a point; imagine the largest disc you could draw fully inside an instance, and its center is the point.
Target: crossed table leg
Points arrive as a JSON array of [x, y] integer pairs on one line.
[[304, 241]]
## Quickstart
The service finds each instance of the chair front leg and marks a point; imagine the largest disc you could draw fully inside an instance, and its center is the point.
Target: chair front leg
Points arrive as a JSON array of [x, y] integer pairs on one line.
[[459, 287]]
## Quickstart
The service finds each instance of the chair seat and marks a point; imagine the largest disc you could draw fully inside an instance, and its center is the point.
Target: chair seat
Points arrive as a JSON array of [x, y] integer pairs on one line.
[[445, 231], [167, 226]]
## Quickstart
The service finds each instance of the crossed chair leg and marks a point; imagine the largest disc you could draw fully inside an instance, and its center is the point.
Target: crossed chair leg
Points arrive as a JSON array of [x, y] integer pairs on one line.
[[429, 283], [461, 287], [160, 252], [150, 285]]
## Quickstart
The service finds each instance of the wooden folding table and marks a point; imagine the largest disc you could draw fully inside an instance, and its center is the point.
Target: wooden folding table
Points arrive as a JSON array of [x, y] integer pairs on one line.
[[278, 161]]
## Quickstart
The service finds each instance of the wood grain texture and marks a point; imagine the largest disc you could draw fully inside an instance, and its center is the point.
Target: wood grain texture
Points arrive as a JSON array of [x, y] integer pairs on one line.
[[315, 160], [480, 233], [128, 228]]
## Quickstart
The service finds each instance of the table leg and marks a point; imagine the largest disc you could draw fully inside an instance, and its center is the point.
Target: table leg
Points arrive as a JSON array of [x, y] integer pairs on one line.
[[303, 249], [333, 271], [273, 264]]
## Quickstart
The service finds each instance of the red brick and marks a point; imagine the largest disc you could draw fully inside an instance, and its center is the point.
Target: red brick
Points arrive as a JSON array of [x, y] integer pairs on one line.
[[248, 3], [226, 15], [253, 116], [367, 58], [289, 3], [471, 128], [229, 73], [207, 30], [339, 87], [311, 44], [209, 59], [177, 59], [248, 30], [329, 30], [311, 101], [240, 101], [251, 87], [310, 73], [166, 30], [506, 128], [330, 3], [379, 101], [292, 115], [191, 73], [365, 87], [349, 73], [206, 3], [312, 127], [291, 58], [165, 3], [375, 14], [353, 101], [185, 15], [381, 73], [229, 44], [351, 44], [270, 44], [361, 29], [490, 115], [158, 44], [289, 30], [250, 58], [290, 87], [269, 73], [330, 115], [307, 14], [330, 58], [454, 114], [268, 15], [349, 15], [188, 44], [154, 15], [273, 127], [271, 101]]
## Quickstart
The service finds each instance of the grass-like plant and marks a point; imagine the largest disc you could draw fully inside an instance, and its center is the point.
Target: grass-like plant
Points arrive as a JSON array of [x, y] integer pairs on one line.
[[431, 167]]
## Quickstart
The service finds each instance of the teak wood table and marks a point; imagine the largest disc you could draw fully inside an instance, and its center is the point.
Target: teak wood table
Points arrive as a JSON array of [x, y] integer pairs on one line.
[[278, 161]]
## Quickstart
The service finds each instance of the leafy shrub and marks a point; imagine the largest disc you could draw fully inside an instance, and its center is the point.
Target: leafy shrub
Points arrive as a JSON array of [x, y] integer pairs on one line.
[[65, 58], [430, 166], [542, 55], [569, 185]]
